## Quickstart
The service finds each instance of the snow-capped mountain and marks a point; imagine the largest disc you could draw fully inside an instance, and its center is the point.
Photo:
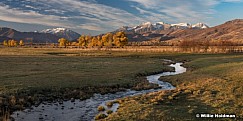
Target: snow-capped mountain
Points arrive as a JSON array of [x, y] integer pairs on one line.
[[62, 32], [149, 27], [200, 25], [181, 25]]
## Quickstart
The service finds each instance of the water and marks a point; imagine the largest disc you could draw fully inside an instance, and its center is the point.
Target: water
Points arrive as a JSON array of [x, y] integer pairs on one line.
[[87, 109]]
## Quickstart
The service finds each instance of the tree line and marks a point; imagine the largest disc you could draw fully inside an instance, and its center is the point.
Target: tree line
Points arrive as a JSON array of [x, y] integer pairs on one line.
[[117, 39], [13, 43]]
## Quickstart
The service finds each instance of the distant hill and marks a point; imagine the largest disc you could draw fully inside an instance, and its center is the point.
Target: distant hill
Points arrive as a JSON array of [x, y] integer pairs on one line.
[[49, 35], [8, 33], [231, 30]]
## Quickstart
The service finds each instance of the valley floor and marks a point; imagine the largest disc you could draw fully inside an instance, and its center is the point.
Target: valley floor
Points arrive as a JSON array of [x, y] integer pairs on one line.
[[212, 84]]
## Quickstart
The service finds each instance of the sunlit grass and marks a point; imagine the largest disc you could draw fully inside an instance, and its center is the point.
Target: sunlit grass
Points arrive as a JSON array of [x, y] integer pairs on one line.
[[212, 84]]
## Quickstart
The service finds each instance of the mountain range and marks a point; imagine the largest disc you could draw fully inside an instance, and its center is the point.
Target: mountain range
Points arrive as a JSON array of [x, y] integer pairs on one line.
[[157, 31], [160, 31], [48, 35], [150, 27]]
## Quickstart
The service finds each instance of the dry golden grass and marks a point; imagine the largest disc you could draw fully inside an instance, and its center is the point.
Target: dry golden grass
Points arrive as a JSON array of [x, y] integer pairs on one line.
[[212, 84]]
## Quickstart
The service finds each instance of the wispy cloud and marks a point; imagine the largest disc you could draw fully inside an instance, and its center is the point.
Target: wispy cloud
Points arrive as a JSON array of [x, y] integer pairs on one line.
[[91, 26], [94, 16], [32, 17], [106, 16], [77, 14], [178, 10], [232, 0]]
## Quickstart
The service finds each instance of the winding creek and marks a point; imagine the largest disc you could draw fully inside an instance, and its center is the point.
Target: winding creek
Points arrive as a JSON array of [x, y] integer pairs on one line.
[[87, 109]]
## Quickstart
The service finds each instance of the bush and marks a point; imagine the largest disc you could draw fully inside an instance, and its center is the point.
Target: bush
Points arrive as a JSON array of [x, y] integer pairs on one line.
[[109, 112], [101, 108], [100, 116], [170, 97], [109, 104]]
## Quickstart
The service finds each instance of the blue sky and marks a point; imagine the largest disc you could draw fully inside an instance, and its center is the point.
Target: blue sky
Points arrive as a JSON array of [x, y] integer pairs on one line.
[[100, 16]]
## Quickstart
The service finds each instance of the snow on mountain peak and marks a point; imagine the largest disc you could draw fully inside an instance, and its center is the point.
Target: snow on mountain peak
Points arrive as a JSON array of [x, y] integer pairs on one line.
[[59, 29], [181, 24], [148, 26], [62, 32], [200, 25], [54, 30], [160, 23], [146, 23]]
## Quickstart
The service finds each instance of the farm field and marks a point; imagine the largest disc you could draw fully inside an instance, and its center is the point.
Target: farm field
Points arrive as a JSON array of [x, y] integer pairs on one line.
[[212, 84]]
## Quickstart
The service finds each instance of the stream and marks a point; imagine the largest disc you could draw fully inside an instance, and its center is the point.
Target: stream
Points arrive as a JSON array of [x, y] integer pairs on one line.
[[87, 109]]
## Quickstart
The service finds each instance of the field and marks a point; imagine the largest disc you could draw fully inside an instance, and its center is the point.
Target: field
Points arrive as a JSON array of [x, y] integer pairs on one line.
[[212, 84], [32, 75], [57, 68]]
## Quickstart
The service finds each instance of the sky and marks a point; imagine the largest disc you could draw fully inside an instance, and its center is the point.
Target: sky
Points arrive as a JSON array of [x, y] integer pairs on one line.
[[100, 16]]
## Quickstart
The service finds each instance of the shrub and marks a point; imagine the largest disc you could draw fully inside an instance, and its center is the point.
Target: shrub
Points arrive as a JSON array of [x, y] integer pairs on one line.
[[109, 104], [170, 97], [101, 108], [100, 116], [109, 112]]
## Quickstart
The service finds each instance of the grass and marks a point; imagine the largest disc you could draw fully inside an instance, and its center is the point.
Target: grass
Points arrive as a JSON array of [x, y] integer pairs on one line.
[[212, 84], [54, 71], [33, 75]]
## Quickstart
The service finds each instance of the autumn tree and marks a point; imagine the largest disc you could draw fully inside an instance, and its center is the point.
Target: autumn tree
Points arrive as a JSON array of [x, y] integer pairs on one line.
[[21, 43], [110, 40], [104, 40], [5, 43], [107, 39], [120, 39], [99, 41], [63, 42], [94, 42], [82, 41], [12, 43], [89, 40]]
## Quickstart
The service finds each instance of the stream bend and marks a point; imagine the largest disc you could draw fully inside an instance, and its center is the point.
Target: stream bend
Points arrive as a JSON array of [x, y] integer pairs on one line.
[[87, 109]]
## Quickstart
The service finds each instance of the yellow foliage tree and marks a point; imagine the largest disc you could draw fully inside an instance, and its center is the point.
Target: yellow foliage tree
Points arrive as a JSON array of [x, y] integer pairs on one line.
[[99, 41], [21, 43], [12, 43], [93, 42], [107, 39], [120, 39], [5, 43], [82, 41], [63, 42]]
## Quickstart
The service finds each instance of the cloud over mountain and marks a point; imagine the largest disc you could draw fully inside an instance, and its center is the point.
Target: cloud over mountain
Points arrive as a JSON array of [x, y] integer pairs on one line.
[[100, 15]]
